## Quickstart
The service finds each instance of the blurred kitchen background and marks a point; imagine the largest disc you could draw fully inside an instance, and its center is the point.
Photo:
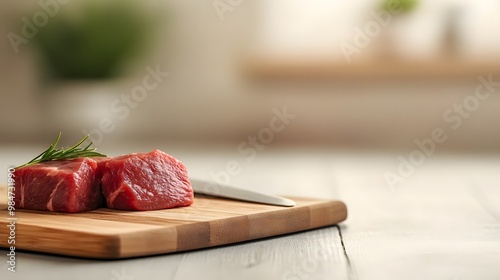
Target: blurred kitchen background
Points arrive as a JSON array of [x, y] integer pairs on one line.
[[67, 65]]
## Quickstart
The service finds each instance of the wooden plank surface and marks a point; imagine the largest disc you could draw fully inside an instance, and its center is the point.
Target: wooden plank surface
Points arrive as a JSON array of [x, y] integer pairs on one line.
[[442, 223], [209, 222]]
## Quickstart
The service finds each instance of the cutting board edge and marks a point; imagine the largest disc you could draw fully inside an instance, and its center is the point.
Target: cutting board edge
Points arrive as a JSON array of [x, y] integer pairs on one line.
[[109, 243], [318, 213], [337, 212]]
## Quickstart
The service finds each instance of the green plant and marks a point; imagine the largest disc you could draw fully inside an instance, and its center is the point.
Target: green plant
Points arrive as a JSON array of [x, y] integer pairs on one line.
[[76, 151], [93, 42], [405, 6]]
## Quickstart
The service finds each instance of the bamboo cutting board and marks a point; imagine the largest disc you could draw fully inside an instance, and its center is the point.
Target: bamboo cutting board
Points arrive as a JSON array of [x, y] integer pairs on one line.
[[113, 234]]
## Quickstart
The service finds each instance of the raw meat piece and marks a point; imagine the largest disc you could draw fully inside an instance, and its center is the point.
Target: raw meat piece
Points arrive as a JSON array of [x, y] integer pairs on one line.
[[145, 181], [101, 161], [59, 186]]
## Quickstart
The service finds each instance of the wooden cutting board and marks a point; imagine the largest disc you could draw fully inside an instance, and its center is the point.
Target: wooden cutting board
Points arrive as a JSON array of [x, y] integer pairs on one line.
[[113, 234]]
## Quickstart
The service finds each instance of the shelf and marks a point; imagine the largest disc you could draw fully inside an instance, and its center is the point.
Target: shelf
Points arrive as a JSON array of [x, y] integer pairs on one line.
[[274, 69]]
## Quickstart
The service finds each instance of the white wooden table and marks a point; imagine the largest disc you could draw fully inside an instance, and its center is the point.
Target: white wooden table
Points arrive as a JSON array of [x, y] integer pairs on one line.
[[443, 223]]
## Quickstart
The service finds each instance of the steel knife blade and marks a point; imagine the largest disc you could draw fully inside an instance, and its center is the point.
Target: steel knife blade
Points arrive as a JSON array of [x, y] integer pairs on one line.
[[218, 190]]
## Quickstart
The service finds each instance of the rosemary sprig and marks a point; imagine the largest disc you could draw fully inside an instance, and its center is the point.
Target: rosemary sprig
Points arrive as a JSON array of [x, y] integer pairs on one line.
[[60, 154]]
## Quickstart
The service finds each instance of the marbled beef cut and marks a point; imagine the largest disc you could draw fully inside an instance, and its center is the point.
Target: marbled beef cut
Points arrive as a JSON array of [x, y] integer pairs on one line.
[[60, 186], [145, 181]]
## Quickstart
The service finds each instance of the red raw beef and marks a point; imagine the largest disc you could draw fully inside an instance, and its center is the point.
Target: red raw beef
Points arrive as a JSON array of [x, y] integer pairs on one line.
[[145, 181], [59, 186], [101, 162]]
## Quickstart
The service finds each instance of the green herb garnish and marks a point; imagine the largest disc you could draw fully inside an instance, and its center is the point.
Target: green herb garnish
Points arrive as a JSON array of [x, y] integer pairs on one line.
[[60, 154]]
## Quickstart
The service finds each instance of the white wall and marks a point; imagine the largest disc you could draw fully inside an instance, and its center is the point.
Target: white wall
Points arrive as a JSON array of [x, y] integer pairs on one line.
[[206, 97]]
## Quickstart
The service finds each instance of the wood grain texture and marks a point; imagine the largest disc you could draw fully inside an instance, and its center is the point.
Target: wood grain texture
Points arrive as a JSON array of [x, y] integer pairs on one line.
[[3, 197], [440, 224], [209, 222]]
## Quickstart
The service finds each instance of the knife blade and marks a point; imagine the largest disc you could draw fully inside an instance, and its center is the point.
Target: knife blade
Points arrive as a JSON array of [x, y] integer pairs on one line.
[[218, 190]]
